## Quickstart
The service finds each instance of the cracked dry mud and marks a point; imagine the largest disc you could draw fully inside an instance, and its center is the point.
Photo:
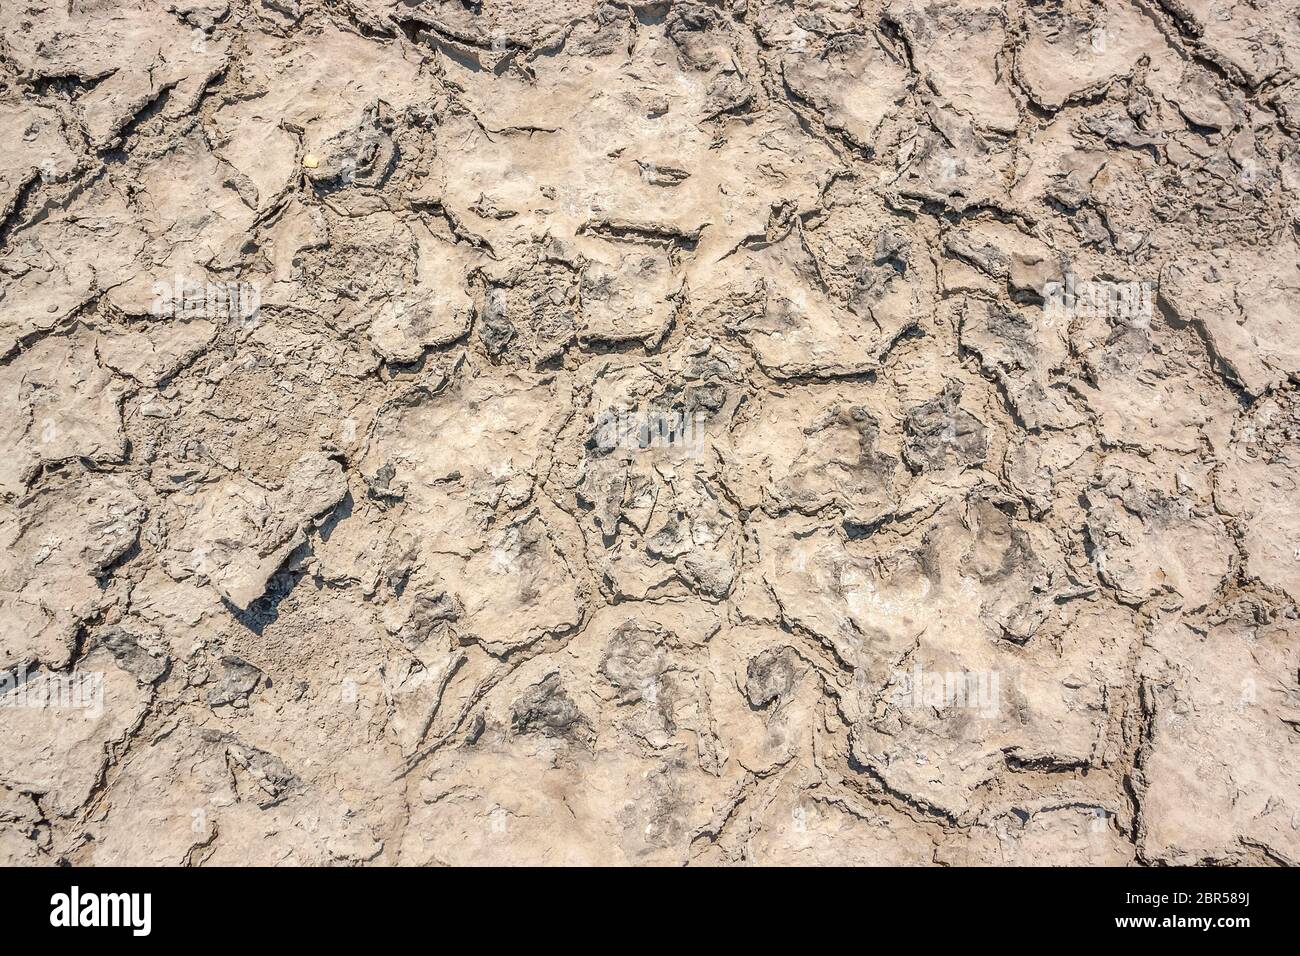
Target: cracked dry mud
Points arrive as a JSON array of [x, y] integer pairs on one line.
[[357, 561]]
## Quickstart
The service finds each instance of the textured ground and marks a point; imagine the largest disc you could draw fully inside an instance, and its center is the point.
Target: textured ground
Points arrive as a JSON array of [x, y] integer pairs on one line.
[[324, 540]]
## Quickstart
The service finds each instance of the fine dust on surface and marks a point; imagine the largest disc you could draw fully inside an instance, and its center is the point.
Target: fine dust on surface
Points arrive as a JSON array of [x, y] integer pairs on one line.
[[649, 433]]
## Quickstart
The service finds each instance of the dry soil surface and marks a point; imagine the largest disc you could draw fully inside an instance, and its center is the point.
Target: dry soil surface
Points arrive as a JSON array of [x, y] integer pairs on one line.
[[783, 431]]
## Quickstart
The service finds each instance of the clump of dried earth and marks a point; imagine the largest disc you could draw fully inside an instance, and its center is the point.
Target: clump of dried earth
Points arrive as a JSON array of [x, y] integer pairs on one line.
[[357, 565]]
